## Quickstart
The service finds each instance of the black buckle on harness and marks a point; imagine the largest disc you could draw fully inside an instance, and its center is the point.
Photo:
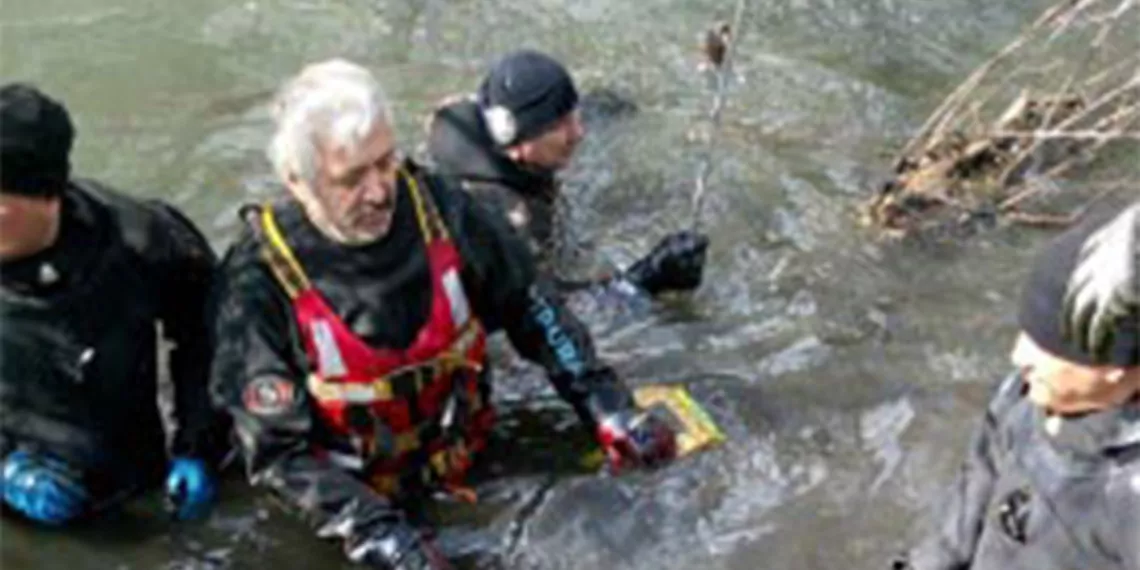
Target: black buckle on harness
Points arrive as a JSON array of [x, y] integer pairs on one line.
[[409, 382]]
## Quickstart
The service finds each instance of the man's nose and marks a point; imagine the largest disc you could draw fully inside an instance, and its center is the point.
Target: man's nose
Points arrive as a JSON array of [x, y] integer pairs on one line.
[[577, 128], [377, 186]]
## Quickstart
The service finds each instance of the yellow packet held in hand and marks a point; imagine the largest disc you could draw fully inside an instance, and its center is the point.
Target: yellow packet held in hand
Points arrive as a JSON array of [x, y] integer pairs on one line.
[[695, 429]]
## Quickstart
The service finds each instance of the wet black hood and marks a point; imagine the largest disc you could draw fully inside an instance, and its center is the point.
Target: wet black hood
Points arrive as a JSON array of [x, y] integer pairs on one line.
[[460, 147]]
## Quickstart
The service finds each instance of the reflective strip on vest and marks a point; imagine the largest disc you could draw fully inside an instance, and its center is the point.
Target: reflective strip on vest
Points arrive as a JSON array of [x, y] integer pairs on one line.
[[330, 363], [460, 311], [381, 389]]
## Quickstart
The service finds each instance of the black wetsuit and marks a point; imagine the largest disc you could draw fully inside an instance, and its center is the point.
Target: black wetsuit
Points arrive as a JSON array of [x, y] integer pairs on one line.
[[79, 366]]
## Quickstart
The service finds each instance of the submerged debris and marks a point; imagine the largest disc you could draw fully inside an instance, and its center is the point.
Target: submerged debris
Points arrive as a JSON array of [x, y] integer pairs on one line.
[[1022, 120]]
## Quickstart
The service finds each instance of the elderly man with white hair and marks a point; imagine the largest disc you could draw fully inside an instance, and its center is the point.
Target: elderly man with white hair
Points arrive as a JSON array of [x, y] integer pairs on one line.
[[352, 322]]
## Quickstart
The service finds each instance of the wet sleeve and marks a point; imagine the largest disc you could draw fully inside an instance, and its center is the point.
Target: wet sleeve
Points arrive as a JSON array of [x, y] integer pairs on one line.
[[958, 526], [257, 377], [544, 331], [186, 269], [509, 296]]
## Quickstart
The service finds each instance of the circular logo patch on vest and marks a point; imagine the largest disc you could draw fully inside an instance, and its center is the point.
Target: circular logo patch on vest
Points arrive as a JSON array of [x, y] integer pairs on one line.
[[269, 396]]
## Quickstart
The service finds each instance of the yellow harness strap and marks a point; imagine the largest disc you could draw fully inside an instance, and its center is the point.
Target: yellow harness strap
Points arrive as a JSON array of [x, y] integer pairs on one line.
[[288, 271], [426, 212], [279, 256]]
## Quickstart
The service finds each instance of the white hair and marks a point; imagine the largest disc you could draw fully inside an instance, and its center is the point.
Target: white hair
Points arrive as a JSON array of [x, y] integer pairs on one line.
[[334, 102]]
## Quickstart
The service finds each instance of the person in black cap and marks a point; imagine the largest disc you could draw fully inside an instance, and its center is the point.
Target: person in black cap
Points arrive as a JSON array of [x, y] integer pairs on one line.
[[86, 274], [1052, 478], [507, 143]]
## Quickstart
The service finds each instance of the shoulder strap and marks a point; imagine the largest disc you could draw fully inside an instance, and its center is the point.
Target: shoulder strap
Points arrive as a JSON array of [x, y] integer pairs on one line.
[[275, 250], [427, 214]]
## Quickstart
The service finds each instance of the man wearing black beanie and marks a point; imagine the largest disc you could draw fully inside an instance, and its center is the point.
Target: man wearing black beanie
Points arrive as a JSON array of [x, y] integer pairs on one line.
[[1052, 478], [85, 275], [508, 142]]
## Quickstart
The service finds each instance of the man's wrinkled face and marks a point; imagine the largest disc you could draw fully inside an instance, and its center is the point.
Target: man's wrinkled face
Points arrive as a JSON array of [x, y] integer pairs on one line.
[[1065, 387], [27, 223], [554, 149], [356, 187]]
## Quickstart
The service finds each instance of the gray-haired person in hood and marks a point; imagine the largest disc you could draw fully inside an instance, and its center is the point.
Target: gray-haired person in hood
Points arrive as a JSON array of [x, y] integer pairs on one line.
[[1052, 478], [506, 145]]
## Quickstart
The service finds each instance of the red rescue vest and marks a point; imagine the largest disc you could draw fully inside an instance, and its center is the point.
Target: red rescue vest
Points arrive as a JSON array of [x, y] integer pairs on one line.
[[416, 413]]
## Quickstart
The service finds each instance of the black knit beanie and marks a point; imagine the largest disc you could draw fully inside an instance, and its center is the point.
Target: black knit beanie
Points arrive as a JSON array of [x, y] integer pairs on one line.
[[524, 94], [1042, 303], [36, 135]]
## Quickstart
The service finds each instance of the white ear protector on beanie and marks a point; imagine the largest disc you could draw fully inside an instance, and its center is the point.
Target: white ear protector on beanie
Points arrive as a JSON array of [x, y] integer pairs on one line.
[[501, 124]]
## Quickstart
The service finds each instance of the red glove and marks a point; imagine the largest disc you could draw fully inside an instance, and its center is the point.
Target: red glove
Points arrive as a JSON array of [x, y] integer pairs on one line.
[[636, 439]]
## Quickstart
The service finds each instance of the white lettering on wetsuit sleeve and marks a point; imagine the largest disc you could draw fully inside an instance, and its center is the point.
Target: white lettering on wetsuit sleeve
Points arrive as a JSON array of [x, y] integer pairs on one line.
[[566, 352], [457, 299]]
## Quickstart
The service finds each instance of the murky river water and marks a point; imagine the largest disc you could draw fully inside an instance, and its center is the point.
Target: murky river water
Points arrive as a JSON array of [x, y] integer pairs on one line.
[[847, 374]]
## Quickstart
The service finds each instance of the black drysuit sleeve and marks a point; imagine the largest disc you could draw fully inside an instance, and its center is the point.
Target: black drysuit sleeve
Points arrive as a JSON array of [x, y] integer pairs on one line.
[[186, 268], [509, 294]]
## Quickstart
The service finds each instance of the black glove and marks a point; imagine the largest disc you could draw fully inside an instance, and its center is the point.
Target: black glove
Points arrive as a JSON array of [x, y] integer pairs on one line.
[[676, 264], [398, 548], [636, 439]]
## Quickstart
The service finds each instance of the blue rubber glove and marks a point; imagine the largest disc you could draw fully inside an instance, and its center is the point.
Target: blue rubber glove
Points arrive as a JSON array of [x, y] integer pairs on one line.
[[189, 488], [44, 489]]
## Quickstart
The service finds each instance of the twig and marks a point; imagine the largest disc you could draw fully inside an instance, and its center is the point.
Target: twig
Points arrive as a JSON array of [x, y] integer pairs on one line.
[[1088, 134], [1013, 201], [718, 105], [1010, 203], [1042, 220], [1100, 103], [1071, 16], [939, 118], [1107, 72]]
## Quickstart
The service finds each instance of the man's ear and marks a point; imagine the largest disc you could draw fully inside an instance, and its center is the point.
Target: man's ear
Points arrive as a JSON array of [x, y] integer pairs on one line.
[[297, 185], [301, 190], [1117, 375]]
